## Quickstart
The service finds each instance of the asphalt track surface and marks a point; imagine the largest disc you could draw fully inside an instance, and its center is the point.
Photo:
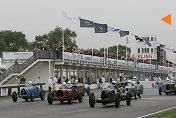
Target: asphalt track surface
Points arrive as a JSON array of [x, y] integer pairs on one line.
[[149, 103]]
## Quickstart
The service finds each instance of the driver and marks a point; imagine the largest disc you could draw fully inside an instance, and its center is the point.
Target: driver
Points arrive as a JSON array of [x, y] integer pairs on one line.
[[69, 85]]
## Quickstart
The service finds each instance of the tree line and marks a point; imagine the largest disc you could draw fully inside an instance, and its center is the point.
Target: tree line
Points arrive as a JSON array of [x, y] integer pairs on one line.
[[11, 41]]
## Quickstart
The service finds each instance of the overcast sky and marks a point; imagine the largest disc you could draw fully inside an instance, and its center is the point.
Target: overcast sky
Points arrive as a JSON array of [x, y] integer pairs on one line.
[[140, 17]]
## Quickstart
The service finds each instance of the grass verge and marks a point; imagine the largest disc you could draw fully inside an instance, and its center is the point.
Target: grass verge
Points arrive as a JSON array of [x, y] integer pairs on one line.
[[5, 97], [167, 114]]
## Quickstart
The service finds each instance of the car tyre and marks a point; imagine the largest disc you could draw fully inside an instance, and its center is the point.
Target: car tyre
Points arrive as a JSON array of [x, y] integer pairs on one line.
[[42, 95], [32, 96], [50, 98], [117, 100], [160, 91], [128, 98], [91, 99], [14, 96]]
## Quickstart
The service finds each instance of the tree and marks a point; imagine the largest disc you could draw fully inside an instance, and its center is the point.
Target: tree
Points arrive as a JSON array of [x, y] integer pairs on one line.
[[55, 36], [14, 40], [121, 50], [3, 46]]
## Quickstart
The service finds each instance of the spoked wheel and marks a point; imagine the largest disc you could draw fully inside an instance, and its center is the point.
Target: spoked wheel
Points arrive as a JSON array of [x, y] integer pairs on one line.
[[50, 98], [117, 100], [42, 95], [14, 96], [128, 98], [70, 98], [92, 99], [32, 96], [160, 91]]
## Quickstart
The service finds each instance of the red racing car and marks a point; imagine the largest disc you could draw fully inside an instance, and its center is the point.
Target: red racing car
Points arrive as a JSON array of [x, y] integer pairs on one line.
[[67, 94]]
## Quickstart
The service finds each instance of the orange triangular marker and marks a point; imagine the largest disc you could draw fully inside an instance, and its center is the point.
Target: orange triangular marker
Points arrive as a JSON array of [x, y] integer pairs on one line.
[[167, 19]]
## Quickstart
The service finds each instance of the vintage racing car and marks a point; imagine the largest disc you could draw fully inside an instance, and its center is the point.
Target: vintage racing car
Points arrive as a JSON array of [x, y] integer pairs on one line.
[[110, 95], [30, 92], [169, 87], [67, 94]]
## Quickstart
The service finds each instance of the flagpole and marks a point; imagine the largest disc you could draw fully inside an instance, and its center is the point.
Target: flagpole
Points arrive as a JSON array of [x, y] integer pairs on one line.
[[126, 52]]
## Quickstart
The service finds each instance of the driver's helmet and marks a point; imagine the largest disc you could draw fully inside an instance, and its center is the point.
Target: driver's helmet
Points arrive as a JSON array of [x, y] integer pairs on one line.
[[76, 81], [134, 77], [64, 84], [30, 83], [167, 79], [69, 82], [129, 81], [113, 82]]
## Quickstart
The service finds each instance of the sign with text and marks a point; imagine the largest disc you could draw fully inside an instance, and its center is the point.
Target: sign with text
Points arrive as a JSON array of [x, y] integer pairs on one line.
[[16, 55]]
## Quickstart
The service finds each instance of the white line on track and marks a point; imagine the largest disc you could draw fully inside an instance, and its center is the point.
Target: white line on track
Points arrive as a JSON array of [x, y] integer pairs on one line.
[[156, 112], [159, 98]]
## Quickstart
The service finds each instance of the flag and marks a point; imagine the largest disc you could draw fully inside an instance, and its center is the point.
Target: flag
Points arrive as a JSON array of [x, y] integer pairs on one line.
[[68, 18], [127, 41], [147, 43], [138, 38], [156, 43], [123, 33], [112, 29], [86, 23], [174, 50], [100, 28], [169, 49]]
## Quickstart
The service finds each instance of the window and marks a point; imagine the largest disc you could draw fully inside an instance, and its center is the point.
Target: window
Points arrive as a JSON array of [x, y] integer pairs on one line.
[[147, 50], [138, 50], [151, 38], [151, 50], [142, 50], [147, 38]]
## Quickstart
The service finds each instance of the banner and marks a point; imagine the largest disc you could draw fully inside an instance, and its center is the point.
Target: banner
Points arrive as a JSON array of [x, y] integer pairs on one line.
[[16, 55], [4, 91]]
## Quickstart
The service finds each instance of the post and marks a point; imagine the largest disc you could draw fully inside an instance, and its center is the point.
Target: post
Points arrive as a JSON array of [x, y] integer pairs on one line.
[[69, 72], [61, 74], [104, 56], [107, 57], [117, 54], [62, 44], [84, 78]]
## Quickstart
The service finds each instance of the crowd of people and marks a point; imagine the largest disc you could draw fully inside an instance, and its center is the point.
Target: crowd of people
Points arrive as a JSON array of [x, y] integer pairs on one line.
[[59, 47], [20, 79]]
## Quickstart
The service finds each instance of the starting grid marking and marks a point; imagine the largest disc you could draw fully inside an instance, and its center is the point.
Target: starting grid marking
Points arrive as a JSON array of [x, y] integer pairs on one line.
[[159, 98], [157, 112]]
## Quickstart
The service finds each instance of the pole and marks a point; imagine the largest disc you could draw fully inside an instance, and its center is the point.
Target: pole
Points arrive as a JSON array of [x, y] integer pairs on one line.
[[117, 54], [126, 51], [104, 56], [62, 44], [107, 57]]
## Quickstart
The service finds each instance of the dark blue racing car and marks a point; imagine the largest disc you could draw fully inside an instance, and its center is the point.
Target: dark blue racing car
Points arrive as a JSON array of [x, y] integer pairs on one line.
[[29, 92]]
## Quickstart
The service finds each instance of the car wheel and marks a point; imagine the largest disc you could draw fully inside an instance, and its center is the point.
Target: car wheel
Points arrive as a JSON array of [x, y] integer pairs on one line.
[[128, 98], [80, 98], [50, 98], [70, 98], [14, 96], [32, 96], [117, 100], [92, 99], [160, 91], [42, 95]]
